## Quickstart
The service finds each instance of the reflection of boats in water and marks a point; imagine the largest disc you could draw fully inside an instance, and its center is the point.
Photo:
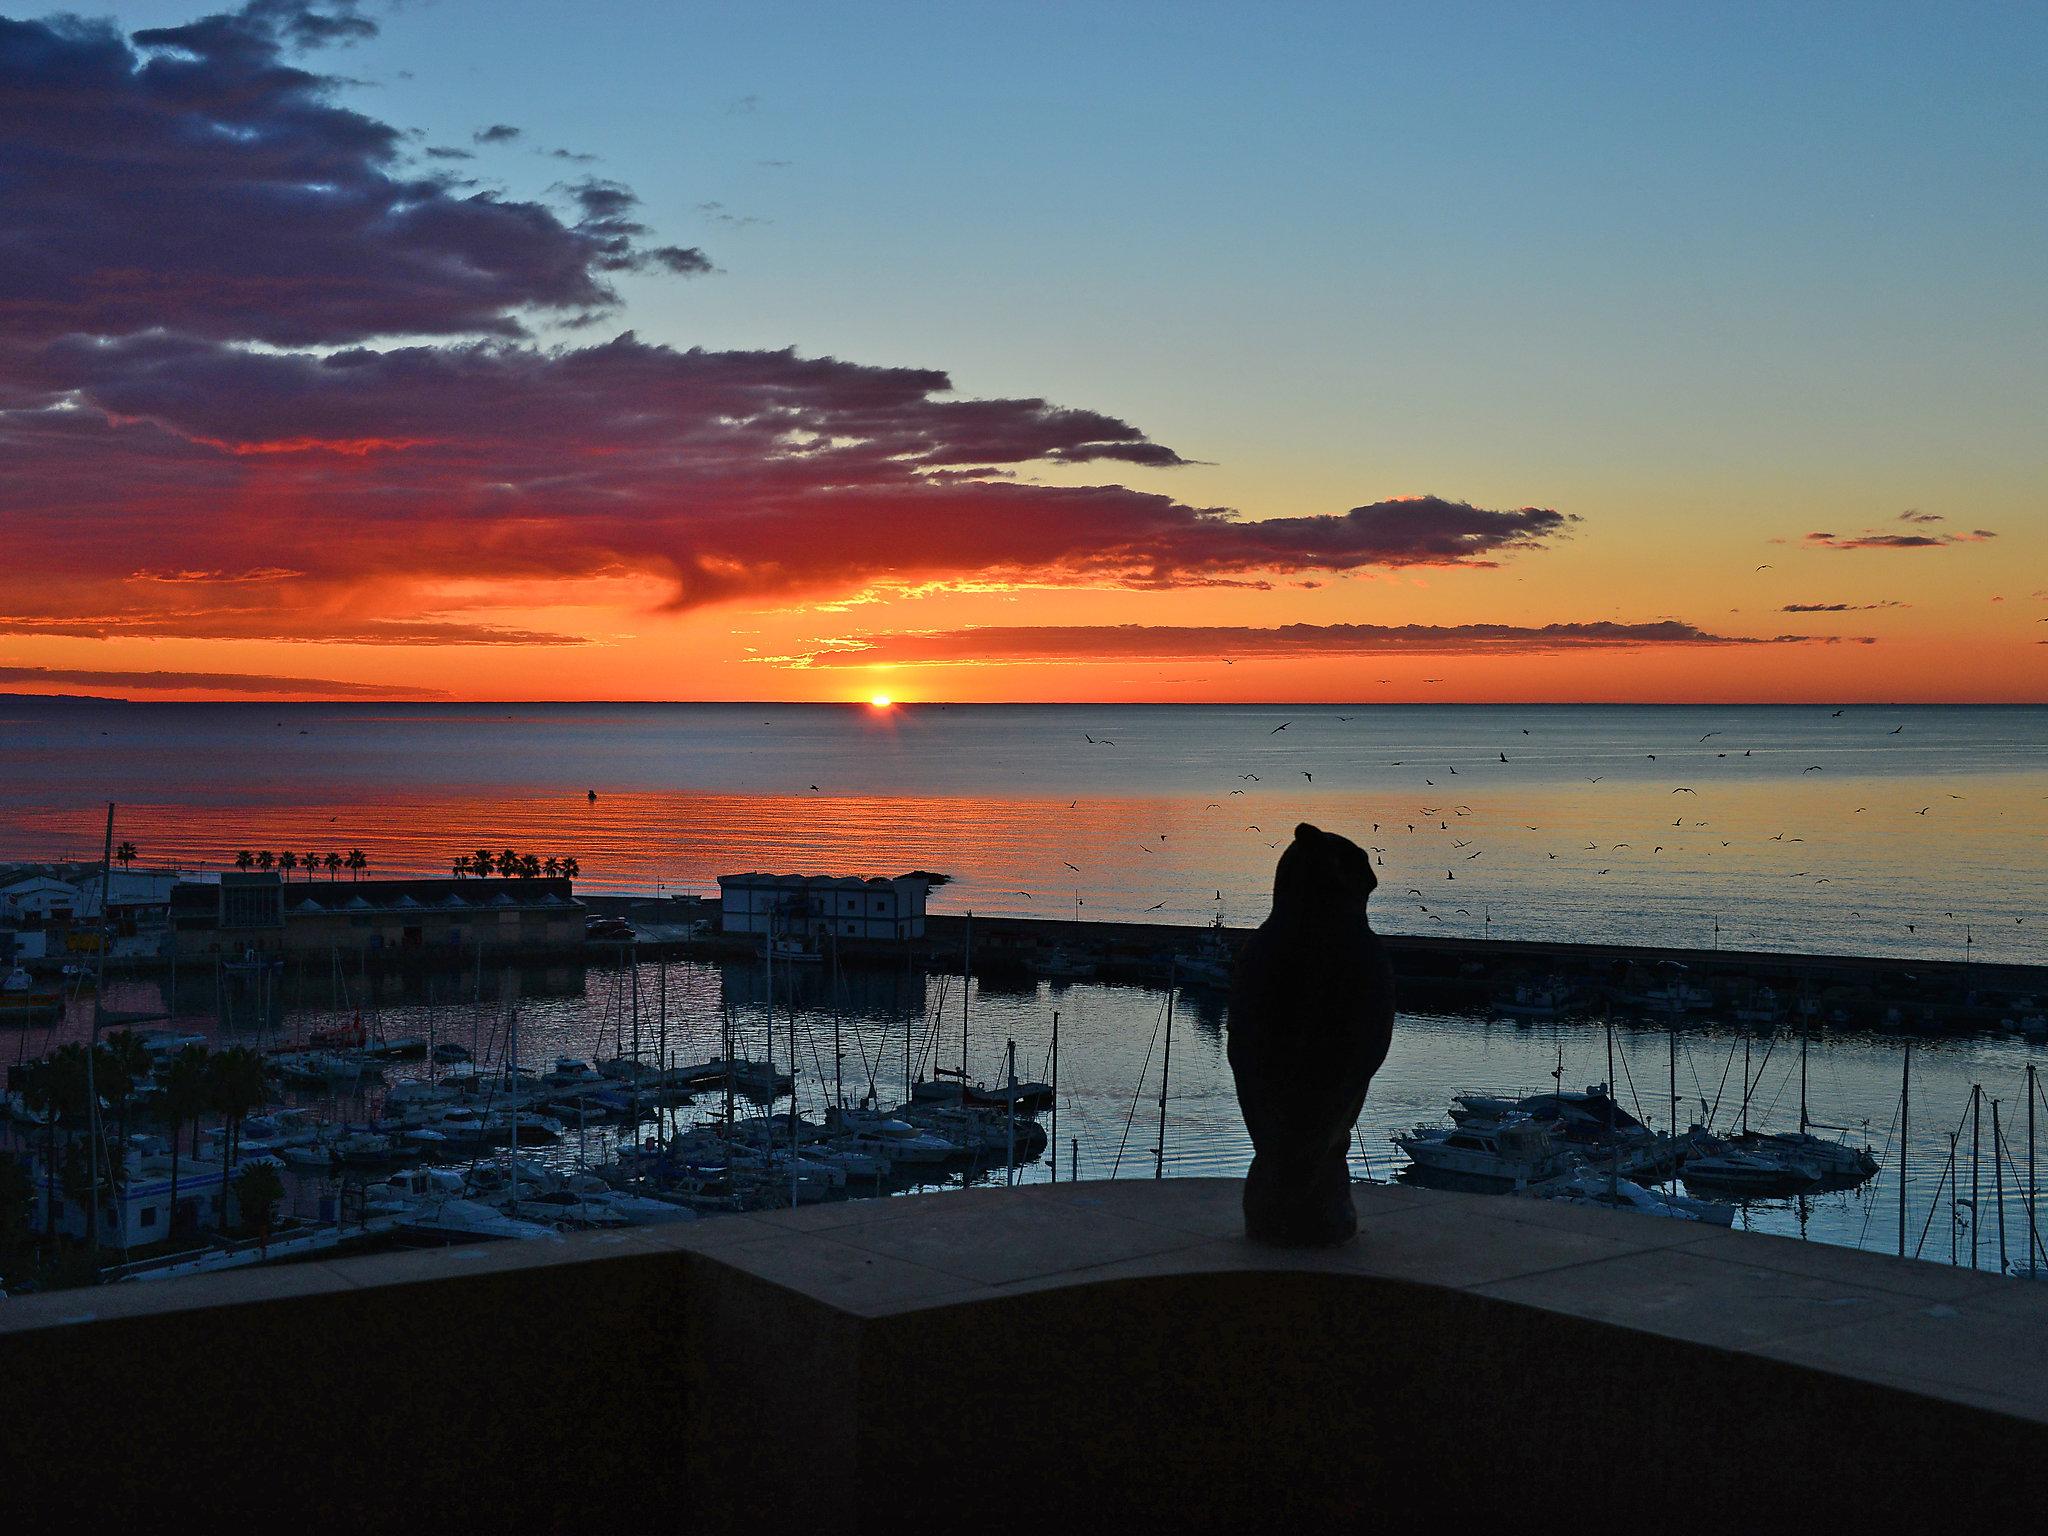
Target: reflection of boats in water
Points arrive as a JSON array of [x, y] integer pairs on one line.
[[794, 949], [1062, 964], [1544, 1001], [1588, 1186]]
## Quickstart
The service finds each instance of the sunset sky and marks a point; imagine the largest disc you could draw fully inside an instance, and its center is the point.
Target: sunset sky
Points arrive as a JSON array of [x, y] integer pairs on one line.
[[641, 350]]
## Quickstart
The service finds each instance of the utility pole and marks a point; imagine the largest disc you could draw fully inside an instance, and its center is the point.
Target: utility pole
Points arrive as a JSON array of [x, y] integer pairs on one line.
[[92, 1051]]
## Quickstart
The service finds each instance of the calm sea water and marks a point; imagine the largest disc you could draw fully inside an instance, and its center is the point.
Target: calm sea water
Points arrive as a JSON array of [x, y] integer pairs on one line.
[[1882, 830]]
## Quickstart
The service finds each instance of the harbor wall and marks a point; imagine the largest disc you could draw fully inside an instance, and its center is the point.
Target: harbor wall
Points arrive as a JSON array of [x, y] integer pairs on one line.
[[1067, 1355]]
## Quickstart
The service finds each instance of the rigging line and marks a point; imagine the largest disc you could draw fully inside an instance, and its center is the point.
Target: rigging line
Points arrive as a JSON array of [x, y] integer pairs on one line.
[[1727, 1067], [1787, 1083], [1947, 1174], [1621, 1055], [1870, 1205], [1139, 1089]]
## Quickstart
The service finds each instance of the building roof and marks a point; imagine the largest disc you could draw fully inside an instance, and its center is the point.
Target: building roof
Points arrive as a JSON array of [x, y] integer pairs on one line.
[[823, 882], [322, 897]]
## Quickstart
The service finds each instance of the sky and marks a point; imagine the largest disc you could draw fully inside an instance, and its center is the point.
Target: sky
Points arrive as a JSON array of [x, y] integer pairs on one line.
[[1183, 352]]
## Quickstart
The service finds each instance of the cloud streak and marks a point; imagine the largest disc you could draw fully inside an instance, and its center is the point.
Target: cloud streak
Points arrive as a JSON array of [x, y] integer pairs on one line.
[[1162, 642], [255, 684]]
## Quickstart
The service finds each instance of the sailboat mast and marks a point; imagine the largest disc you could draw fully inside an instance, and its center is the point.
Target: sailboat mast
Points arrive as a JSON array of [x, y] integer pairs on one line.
[[1054, 1139], [1805, 1033], [1165, 1070], [966, 973], [2033, 1240], [1905, 1108], [1010, 1151]]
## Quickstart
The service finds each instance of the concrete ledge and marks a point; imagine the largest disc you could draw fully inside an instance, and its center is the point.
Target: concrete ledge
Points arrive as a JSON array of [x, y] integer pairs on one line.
[[1076, 1352]]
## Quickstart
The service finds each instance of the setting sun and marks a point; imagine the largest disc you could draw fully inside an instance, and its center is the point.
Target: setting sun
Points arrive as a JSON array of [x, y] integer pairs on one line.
[[878, 701]]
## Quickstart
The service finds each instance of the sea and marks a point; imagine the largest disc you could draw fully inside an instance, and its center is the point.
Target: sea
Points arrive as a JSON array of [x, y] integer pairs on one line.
[[1903, 832]]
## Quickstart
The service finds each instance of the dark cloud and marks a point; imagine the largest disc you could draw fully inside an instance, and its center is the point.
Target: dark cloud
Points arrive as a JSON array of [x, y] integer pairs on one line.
[[252, 683], [497, 133], [1176, 642], [443, 152], [723, 473], [1840, 607], [195, 180], [1912, 516], [1871, 539]]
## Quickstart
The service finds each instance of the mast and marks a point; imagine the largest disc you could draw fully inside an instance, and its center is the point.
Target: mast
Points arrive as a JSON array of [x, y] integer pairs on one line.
[[1998, 1181], [966, 974], [1976, 1153], [633, 967], [1054, 1139], [838, 1050], [1805, 1031], [1165, 1069], [2033, 1240], [1905, 1106], [1671, 1041], [1746, 1032], [1010, 1152]]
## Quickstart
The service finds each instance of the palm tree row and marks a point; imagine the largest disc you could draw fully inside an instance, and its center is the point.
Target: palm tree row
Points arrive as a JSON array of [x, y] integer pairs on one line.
[[355, 861], [512, 864]]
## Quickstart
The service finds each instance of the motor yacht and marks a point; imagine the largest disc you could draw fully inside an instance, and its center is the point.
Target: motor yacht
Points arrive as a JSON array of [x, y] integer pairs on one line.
[[1509, 1154]]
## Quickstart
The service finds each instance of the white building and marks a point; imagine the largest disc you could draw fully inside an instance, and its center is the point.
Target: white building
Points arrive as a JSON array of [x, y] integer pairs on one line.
[[817, 907], [40, 896]]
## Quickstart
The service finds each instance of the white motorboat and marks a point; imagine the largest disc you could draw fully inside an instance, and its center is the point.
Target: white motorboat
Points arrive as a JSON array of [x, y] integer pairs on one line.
[[1510, 1154]]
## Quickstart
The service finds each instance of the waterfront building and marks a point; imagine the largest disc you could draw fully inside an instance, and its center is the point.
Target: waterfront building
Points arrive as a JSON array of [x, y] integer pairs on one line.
[[243, 914], [43, 897], [815, 907]]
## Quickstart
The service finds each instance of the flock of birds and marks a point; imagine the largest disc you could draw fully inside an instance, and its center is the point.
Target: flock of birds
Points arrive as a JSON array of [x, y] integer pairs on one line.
[[1439, 831]]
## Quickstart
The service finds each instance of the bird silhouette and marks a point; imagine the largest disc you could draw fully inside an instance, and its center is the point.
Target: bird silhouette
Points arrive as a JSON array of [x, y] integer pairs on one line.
[[1279, 728], [1074, 867]]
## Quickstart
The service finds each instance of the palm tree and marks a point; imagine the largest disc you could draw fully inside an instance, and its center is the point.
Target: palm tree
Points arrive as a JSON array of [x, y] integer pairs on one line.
[[235, 1078], [265, 859], [552, 867], [56, 1088], [130, 1065], [187, 1096], [529, 866], [483, 861], [460, 867], [245, 860], [333, 864], [508, 863], [127, 853], [357, 861], [570, 868], [287, 861], [311, 861]]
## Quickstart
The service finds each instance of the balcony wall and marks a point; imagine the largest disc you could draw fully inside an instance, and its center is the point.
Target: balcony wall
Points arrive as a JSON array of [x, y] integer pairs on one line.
[[1047, 1357]]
